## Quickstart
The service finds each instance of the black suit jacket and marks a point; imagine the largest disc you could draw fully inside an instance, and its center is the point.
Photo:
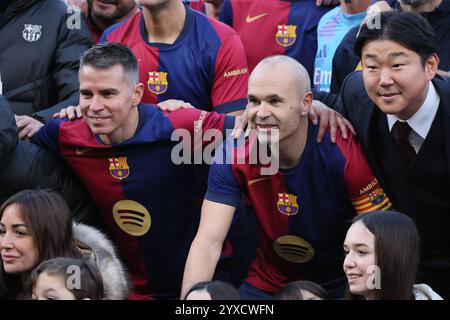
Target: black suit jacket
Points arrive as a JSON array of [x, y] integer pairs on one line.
[[357, 107]]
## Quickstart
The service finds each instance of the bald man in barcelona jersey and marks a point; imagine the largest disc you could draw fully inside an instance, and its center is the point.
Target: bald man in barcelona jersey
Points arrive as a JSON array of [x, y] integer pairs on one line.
[[303, 209], [122, 152]]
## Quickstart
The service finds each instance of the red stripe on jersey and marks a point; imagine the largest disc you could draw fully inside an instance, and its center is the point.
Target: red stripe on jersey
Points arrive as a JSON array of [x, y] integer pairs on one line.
[[231, 71], [256, 23]]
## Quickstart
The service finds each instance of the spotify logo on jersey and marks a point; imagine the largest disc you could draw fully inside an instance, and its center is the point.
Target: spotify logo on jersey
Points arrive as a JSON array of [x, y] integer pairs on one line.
[[132, 217], [293, 249]]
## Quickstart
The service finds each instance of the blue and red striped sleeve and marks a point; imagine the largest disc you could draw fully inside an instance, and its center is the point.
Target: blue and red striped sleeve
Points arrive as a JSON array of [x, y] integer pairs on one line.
[[229, 89], [364, 190]]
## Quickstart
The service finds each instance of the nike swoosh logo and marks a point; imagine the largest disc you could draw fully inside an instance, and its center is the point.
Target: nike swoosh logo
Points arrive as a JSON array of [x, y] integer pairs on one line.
[[251, 19], [80, 151], [257, 180]]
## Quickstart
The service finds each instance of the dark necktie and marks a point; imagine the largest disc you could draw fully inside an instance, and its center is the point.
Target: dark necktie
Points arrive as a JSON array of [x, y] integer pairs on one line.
[[401, 133]]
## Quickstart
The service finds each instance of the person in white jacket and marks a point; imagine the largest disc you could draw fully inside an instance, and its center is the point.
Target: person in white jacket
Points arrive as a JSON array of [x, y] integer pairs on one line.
[[382, 253]]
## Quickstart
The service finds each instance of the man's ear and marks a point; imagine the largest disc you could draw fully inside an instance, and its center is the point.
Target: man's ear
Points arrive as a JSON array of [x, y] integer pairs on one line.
[[306, 102], [431, 66], [138, 92]]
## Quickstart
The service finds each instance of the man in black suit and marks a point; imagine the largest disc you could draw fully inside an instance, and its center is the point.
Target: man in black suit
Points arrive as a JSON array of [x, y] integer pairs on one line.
[[400, 110]]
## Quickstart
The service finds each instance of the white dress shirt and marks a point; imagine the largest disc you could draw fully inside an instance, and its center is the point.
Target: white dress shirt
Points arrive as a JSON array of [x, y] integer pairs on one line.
[[421, 121]]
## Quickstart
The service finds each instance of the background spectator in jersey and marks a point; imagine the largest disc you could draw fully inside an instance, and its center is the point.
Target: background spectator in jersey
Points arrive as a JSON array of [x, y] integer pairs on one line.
[[293, 245], [331, 29], [301, 290], [51, 279], [178, 45], [437, 13], [270, 27], [24, 165], [213, 290], [399, 108], [36, 225], [40, 47], [101, 14], [382, 253]]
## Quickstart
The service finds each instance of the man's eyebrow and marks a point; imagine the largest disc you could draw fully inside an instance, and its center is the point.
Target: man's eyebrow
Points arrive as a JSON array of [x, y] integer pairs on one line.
[[397, 54], [370, 56]]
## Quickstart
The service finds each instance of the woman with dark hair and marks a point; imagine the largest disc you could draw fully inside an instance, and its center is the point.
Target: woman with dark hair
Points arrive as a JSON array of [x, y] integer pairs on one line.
[[301, 290], [36, 225], [213, 290], [66, 279], [382, 257]]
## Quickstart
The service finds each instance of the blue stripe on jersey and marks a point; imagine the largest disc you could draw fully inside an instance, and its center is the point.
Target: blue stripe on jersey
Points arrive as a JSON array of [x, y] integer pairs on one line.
[[235, 105], [305, 52], [226, 13]]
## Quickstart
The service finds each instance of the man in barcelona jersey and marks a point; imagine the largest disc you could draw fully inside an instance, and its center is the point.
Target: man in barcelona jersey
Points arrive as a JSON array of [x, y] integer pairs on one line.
[[122, 152], [303, 209], [269, 27], [185, 55]]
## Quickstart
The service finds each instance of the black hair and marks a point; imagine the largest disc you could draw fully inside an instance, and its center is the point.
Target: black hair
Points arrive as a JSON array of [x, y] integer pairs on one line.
[[217, 289], [107, 55], [292, 291], [90, 281], [397, 252], [406, 28]]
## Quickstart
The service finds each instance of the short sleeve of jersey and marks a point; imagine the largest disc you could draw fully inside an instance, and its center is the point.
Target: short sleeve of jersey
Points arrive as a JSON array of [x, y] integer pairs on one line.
[[222, 185], [229, 90], [364, 191], [48, 136], [226, 13]]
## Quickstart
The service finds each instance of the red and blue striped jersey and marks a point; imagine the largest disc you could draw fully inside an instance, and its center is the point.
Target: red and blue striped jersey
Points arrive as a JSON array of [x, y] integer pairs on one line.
[[206, 65], [270, 27], [303, 212], [145, 199]]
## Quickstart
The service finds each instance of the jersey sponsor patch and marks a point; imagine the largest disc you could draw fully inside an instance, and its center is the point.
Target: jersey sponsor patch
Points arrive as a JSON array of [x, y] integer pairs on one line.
[[132, 217], [287, 204], [157, 82], [234, 73], [119, 168], [286, 35], [293, 249]]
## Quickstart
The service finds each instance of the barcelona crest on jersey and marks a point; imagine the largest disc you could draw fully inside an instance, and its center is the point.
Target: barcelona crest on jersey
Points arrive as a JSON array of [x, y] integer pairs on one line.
[[372, 200], [287, 204], [157, 82], [118, 167], [286, 35]]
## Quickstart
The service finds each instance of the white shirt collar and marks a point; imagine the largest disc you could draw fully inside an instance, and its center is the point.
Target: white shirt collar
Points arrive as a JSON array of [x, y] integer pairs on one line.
[[422, 120]]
